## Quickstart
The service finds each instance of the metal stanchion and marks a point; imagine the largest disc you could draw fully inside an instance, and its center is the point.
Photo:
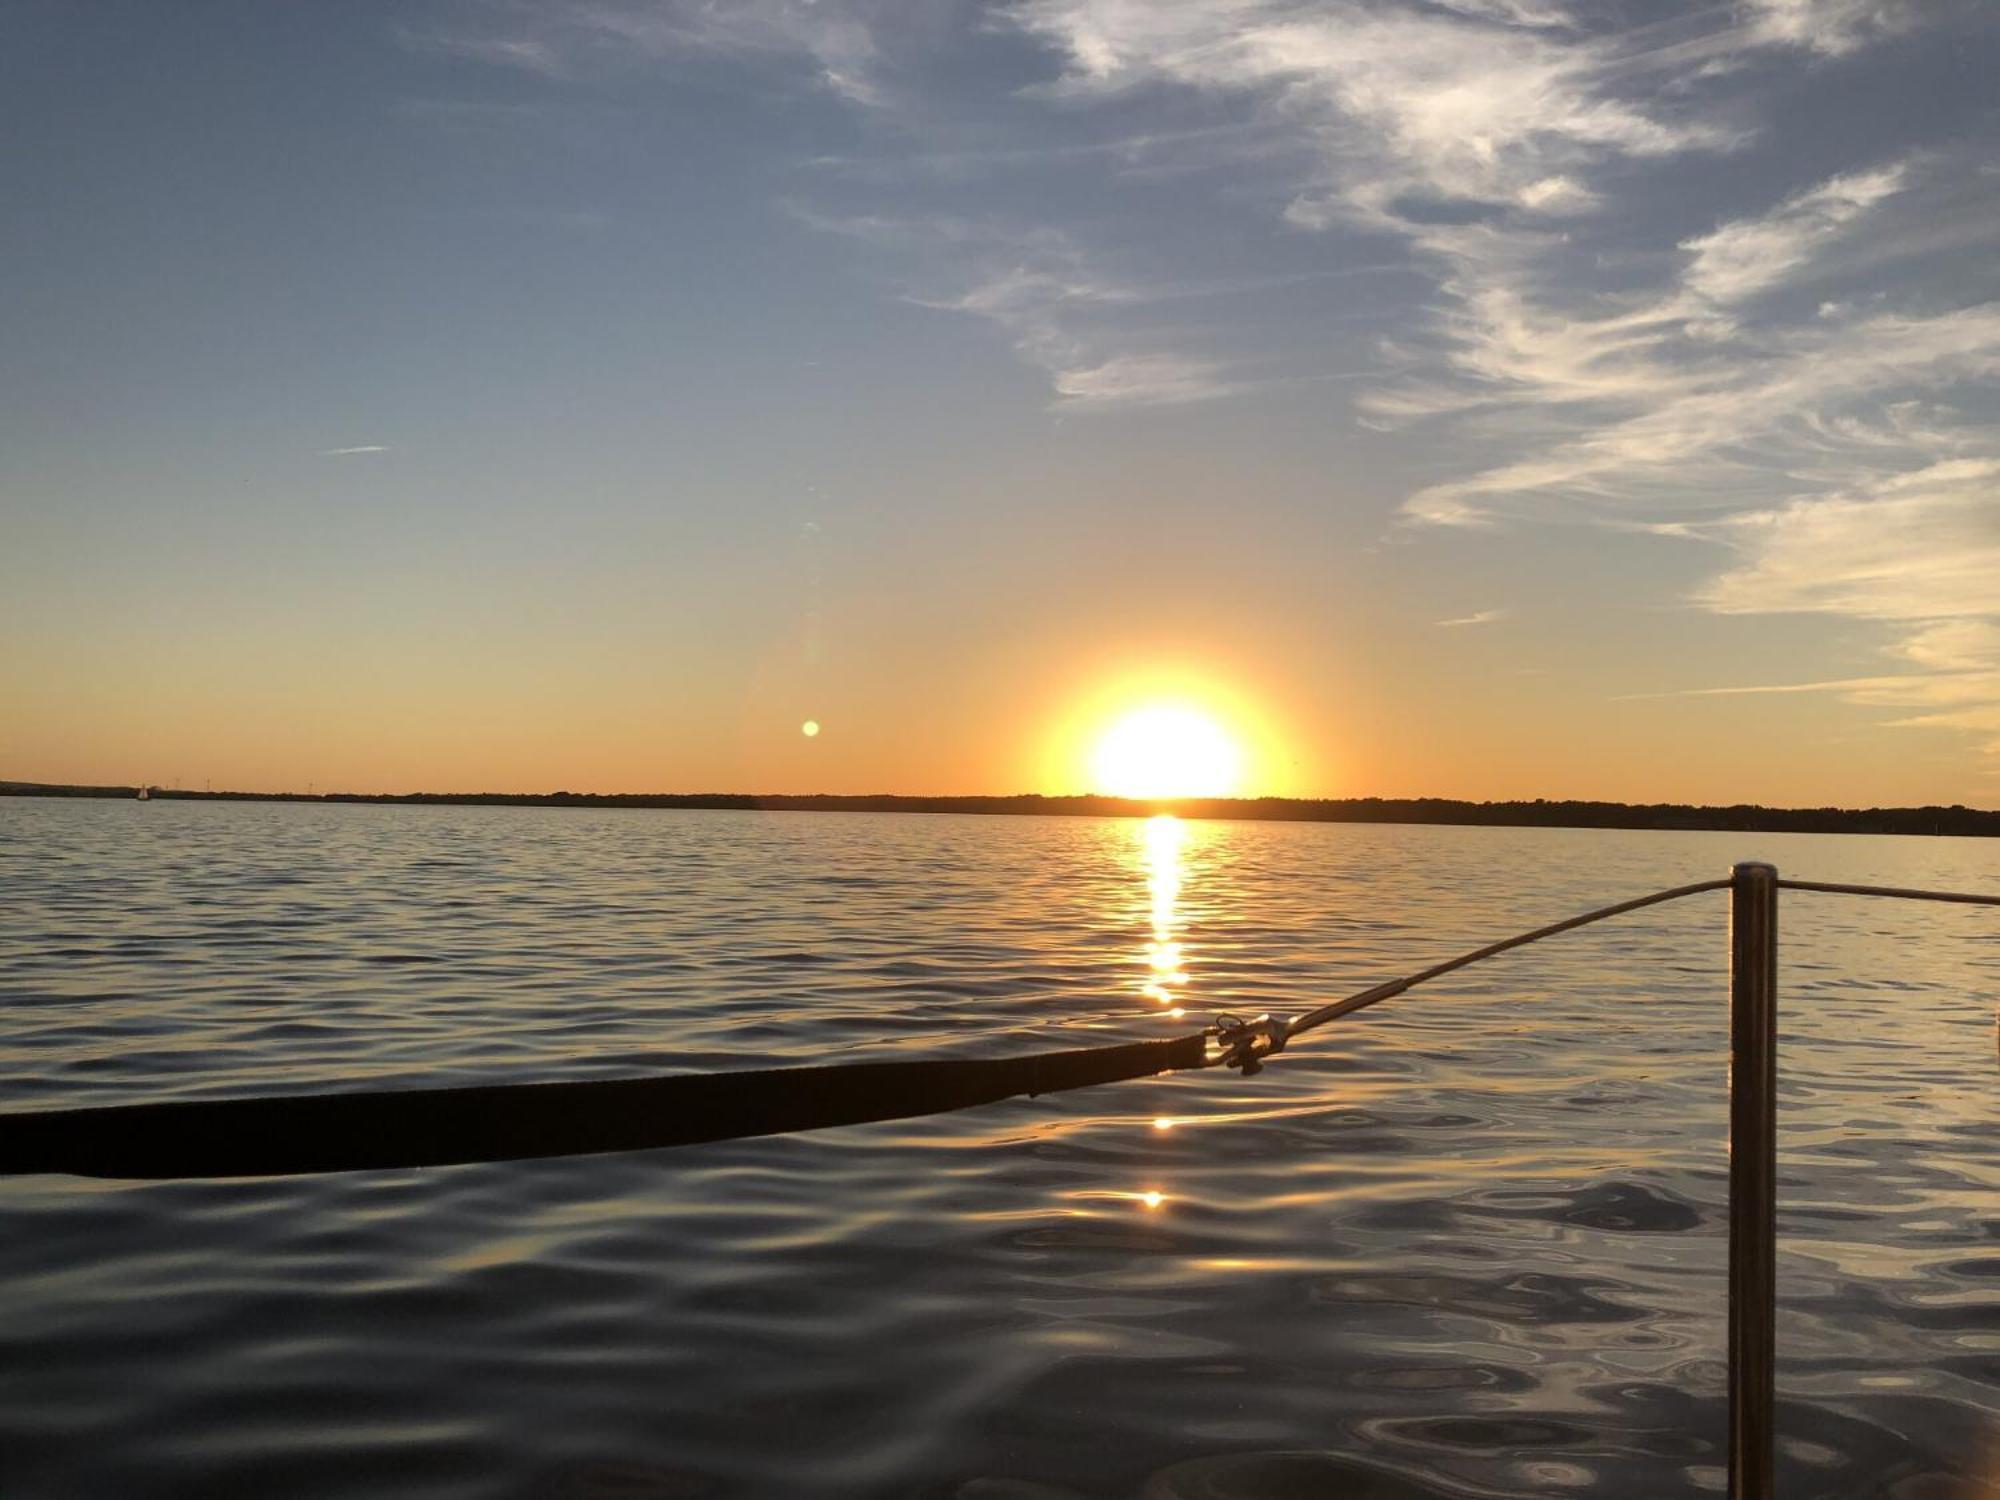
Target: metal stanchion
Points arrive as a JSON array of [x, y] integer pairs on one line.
[[1753, 1178]]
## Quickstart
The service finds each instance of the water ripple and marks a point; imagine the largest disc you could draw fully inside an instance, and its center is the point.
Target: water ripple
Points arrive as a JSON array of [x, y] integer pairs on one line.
[[1466, 1245]]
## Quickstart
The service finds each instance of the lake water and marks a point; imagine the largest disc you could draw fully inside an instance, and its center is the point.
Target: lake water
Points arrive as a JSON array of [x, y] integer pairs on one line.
[[1469, 1244]]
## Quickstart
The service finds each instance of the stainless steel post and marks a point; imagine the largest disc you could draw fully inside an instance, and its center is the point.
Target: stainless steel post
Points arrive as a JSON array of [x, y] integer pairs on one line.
[[1753, 1178]]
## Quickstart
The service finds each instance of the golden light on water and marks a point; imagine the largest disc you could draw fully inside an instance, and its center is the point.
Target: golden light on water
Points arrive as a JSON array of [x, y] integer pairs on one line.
[[1163, 839], [1160, 855], [1148, 1198], [1167, 750]]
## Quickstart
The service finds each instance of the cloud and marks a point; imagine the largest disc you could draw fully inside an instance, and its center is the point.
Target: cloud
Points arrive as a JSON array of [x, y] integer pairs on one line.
[[842, 43], [345, 452], [1053, 305], [1919, 546], [1044, 310], [1141, 380], [1828, 26], [1481, 617], [1481, 132], [1518, 12], [1668, 358], [1919, 551], [1743, 690], [1403, 107], [1739, 260], [1476, 130], [1899, 523], [1407, 115], [525, 53], [1592, 351], [1961, 645], [1737, 422]]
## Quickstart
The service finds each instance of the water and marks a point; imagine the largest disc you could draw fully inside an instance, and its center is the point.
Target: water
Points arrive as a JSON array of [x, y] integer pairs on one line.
[[1468, 1245]]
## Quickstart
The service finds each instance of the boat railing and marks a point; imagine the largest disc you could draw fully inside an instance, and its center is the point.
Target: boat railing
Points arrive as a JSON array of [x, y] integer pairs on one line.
[[402, 1128], [1753, 1119]]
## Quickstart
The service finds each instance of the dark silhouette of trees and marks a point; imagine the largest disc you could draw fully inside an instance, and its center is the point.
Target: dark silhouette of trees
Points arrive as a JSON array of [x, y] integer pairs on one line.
[[1540, 813]]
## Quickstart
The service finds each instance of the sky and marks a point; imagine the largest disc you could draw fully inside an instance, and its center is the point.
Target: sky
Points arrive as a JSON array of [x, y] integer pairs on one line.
[[1469, 398]]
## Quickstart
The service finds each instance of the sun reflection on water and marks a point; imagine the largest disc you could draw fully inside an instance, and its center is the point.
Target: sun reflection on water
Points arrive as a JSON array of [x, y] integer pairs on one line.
[[1162, 857], [1162, 840]]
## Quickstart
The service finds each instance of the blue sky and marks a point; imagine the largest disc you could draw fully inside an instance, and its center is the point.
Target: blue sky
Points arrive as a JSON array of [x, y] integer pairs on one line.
[[1482, 397]]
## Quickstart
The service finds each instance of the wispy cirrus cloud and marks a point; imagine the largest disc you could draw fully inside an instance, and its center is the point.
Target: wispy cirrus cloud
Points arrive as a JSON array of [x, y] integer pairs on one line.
[[1401, 111], [1918, 551], [527, 53], [1643, 386], [1761, 689], [1817, 438], [1051, 302], [1778, 380], [1830, 446], [1047, 315], [1406, 108], [1829, 26], [1478, 617], [1143, 380], [1922, 546], [846, 45], [1741, 259], [1718, 429]]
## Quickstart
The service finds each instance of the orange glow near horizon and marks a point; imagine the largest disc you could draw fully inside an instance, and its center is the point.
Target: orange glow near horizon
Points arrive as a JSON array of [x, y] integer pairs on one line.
[[1163, 730]]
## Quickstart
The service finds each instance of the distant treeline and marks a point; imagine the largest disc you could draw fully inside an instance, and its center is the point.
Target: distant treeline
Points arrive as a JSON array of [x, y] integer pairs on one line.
[[1741, 818]]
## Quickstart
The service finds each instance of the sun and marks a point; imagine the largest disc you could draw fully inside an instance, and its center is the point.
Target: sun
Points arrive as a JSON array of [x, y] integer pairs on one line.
[[1166, 750]]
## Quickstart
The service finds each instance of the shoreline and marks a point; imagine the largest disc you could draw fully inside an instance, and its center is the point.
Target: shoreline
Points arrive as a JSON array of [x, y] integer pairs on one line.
[[1956, 821]]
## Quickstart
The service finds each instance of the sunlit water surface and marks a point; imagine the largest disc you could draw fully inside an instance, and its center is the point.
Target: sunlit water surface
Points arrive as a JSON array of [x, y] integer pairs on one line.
[[1470, 1244]]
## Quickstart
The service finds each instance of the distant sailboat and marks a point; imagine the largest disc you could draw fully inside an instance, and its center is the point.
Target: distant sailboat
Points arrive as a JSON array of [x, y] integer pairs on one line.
[[145, 794]]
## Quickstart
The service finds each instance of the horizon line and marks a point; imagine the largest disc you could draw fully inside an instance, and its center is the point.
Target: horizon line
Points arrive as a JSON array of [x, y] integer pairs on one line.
[[1538, 811]]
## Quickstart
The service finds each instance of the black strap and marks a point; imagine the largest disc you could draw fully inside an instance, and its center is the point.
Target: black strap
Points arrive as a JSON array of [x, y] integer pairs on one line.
[[511, 1122]]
